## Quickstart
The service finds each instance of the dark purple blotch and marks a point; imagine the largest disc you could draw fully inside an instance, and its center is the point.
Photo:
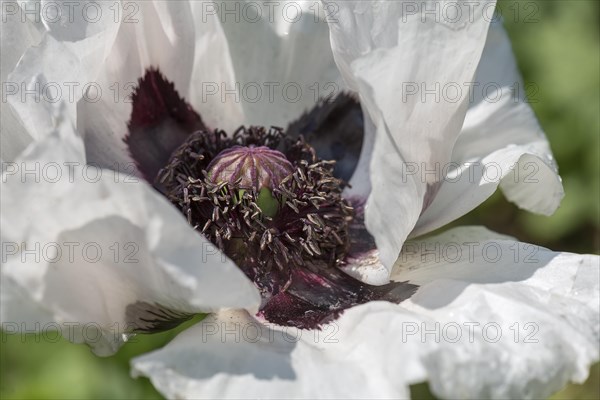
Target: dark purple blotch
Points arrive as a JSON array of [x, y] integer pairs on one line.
[[335, 128], [318, 295], [160, 122]]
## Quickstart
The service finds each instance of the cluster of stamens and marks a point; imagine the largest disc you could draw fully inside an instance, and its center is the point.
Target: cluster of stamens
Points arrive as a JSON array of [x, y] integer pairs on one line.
[[293, 217]]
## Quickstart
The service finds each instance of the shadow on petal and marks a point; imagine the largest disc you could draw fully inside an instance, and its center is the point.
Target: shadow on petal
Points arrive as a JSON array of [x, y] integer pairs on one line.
[[231, 344], [445, 265]]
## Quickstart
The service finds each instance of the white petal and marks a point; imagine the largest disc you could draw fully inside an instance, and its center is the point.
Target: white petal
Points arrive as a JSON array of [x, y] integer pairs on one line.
[[88, 248], [381, 48], [41, 78], [61, 66], [367, 266], [17, 307], [501, 143], [16, 35], [213, 70], [281, 56], [14, 136], [544, 306], [395, 211], [232, 355], [187, 46]]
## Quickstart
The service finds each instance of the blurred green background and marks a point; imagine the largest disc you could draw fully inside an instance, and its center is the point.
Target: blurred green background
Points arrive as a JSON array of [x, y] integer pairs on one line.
[[560, 56], [557, 44]]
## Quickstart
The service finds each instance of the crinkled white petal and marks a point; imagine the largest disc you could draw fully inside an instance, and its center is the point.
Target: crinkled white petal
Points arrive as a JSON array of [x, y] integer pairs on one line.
[[42, 77], [367, 266], [101, 61], [17, 33], [85, 244], [392, 55], [232, 355], [395, 210], [493, 318], [187, 46], [213, 72], [501, 144], [281, 56], [14, 136], [536, 310]]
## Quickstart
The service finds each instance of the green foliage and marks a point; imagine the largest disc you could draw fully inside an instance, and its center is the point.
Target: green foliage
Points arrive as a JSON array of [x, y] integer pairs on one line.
[[557, 45], [45, 366]]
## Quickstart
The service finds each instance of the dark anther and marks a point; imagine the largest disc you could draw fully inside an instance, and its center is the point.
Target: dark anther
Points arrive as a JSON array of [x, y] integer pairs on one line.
[[272, 202], [276, 209], [249, 200]]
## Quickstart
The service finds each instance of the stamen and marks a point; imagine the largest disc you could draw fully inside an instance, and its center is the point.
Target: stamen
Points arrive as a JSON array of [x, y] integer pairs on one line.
[[275, 208], [223, 194], [277, 211]]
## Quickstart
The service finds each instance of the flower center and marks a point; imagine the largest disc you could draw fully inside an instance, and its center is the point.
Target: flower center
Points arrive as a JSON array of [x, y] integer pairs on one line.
[[265, 200], [270, 210]]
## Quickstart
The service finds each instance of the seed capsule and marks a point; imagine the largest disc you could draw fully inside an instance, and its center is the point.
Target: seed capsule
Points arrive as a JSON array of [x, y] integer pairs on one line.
[[250, 167]]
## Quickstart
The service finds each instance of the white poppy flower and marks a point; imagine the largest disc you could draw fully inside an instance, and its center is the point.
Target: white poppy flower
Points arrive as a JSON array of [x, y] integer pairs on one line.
[[102, 254]]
